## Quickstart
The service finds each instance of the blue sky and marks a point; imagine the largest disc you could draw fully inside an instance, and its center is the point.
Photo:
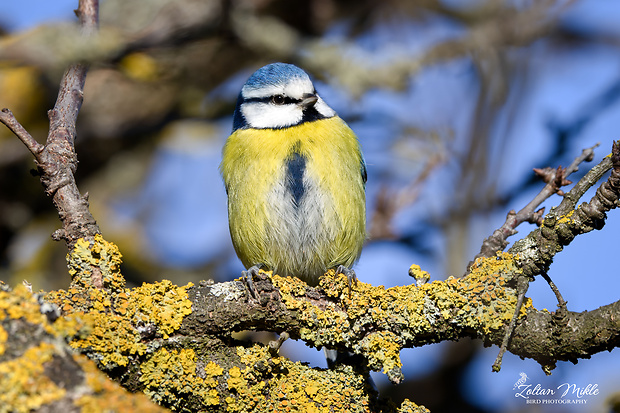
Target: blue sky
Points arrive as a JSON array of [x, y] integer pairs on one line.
[[22, 14]]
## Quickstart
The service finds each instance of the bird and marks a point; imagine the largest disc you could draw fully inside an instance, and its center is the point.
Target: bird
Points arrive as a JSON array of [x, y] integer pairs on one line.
[[295, 179]]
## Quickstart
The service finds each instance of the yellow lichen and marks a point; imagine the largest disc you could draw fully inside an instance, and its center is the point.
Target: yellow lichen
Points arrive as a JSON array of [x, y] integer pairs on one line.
[[170, 378], [291, 386], [161, 303], [25, 383], [100, 256], [481, 301], [235, 380], [108, 396], [383, 348], [420, 276], [24, 386], [333, 284], [490, 302], [410, 407], [20, 303], [3, 337], [115, 335], [107, 321], [566, 218], [213, 370]]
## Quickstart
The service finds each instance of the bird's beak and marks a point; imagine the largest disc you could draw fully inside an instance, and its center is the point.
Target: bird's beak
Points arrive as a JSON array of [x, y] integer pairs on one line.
[[308, 100]]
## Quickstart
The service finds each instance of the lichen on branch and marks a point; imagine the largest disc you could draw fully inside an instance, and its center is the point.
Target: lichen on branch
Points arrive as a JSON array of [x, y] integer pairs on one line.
[[38, 370]]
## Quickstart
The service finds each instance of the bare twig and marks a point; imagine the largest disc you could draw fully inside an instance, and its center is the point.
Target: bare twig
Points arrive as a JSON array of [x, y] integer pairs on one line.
[[522, 287], [57, 160], [88, 14], [554, 179], [70, 96], [564, 222], [8, 119], [556, 291], [275, 345], [592, 177]]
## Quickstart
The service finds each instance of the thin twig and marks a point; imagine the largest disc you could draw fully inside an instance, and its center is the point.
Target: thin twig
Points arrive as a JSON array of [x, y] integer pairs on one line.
[[70, 95], [555, 289], [585, 218], [590, 178], [522, 287], [57, 160], [7, 118], [88, 13], [536, 251], [554, 179]]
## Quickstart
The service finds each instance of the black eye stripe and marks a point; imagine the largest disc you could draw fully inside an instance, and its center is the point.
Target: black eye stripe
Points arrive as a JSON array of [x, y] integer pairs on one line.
[[283, 100], [287, 100]]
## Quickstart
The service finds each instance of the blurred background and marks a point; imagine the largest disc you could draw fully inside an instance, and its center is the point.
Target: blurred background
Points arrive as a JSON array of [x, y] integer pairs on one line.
[[454, 103]]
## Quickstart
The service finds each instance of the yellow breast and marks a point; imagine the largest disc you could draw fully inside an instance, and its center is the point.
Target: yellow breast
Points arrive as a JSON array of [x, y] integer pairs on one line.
[[296, 201]]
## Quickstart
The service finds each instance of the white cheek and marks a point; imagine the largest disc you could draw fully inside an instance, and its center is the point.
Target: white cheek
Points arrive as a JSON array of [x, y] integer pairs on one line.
[[323, 109], [265, 115]]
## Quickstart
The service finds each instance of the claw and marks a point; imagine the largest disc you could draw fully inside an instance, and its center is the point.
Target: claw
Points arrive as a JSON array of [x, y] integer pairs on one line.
[[247, 279], [351, 277]]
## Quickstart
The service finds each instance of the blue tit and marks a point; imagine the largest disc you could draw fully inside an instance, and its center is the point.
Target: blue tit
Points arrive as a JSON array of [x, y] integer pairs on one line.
[[295, 178]]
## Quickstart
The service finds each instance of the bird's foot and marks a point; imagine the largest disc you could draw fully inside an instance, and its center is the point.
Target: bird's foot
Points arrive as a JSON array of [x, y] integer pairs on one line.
[[350, 274], [248, 276]]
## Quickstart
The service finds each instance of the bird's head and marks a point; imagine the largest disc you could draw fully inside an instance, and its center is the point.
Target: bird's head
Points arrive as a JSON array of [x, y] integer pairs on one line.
[[277, 96]]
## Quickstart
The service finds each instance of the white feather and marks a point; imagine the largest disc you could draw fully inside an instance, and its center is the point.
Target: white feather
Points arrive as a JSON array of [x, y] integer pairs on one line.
[[323, 109], [262, 115]]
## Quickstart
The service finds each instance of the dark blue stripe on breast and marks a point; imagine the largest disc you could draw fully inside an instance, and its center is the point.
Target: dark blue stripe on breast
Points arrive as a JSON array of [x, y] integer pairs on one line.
[[295, 167]]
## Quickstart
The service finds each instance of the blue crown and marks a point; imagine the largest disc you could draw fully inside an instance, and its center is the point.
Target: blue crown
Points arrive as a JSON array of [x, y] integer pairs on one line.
[[273, 74]]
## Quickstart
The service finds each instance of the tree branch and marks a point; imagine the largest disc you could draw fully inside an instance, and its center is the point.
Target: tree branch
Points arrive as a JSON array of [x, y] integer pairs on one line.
[[548, 338], [562, 224], [57, 160], [554, 179], [40, 372], [142, 335], [8, 119]]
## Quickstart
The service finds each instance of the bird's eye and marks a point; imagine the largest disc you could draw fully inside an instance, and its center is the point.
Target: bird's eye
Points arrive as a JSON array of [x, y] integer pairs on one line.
[[277, 99]]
